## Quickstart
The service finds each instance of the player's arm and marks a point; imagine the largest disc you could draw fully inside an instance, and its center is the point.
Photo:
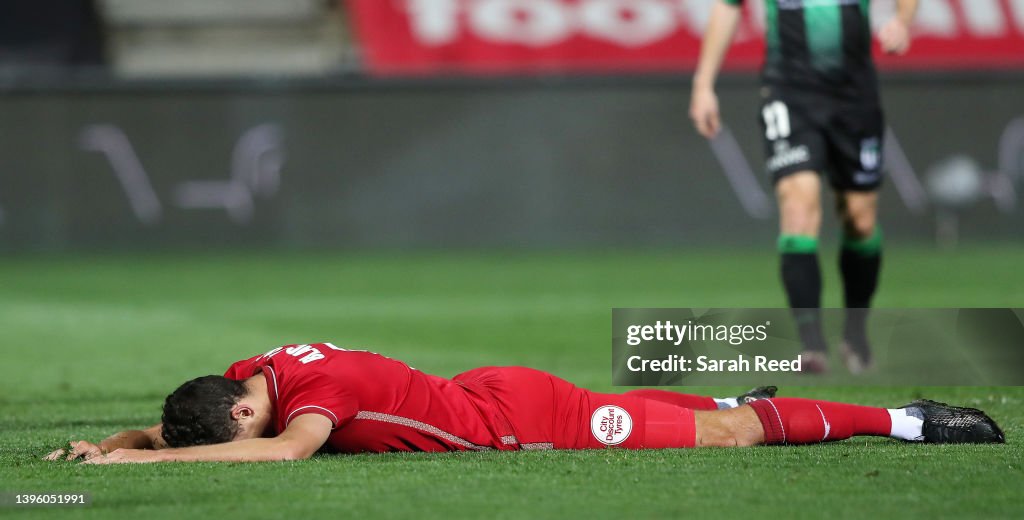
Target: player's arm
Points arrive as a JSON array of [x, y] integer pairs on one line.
[[725, 17], [305, 434], [895, 34], [148, 439]]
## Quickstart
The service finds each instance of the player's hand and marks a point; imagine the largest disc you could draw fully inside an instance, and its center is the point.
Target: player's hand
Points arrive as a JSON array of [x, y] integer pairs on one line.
[[126, 456], [84, 449], [704, 112], [895, 37], [55, 454]]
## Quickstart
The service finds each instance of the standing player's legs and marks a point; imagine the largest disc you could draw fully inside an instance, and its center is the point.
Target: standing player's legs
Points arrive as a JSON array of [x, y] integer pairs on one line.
[[855, 143], [799, 196], [796, 153], [860, 261]]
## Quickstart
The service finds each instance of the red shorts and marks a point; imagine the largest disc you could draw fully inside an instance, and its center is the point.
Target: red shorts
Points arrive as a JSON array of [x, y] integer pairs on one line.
[[545, 412]]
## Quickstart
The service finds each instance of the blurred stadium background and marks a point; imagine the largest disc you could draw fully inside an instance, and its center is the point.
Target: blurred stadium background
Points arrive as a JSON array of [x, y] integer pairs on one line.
[[433, 123]]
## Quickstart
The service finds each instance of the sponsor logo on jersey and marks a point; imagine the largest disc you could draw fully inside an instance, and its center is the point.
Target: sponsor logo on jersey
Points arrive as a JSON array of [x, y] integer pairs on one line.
[[611, 424], [862, 178], [786, 156]]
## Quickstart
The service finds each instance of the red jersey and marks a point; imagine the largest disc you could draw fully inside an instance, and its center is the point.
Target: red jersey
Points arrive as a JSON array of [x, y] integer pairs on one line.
[[375, 403], [380, 404]]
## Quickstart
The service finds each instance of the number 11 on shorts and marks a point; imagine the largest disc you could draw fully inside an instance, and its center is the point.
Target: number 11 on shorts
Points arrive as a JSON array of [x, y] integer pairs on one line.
[[776, 120]]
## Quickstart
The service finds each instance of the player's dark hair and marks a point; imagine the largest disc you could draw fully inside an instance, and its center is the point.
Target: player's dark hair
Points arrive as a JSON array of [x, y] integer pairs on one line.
[[199, 412]]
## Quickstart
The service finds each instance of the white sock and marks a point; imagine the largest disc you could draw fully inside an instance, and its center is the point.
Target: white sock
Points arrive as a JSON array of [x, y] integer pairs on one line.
[[905, 426], [726, 402]]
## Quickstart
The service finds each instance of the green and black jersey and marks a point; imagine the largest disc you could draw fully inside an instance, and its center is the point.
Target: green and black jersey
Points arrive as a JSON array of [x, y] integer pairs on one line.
[[820, 45]]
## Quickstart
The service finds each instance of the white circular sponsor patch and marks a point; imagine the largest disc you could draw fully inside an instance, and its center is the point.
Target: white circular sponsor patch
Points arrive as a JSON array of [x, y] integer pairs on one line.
[[610, 424]]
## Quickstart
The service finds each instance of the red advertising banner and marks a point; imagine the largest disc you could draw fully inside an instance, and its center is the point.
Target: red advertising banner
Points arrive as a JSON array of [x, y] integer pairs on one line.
[[536, 36]]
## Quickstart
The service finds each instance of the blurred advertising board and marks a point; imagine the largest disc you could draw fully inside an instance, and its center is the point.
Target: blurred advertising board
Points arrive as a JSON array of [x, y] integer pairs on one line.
[[392, 163], [615, 36]]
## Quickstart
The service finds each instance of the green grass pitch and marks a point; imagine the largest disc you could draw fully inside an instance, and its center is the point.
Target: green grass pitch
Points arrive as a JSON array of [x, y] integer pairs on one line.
[[92, 344]]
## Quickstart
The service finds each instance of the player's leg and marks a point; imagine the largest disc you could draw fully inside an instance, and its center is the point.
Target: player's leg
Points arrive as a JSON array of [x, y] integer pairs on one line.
[[796, 153], [804, 421], [631, 423], [860, 262], [799, 198], [800, 421], [855, 143], [728, 428], [699, 402], [547, 411]]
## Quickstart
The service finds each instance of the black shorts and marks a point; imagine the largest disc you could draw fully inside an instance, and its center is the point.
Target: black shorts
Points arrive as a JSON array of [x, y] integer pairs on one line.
[[841, 139]]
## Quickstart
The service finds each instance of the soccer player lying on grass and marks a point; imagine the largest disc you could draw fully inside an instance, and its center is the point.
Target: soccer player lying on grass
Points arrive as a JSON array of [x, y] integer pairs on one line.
[[293, 401]]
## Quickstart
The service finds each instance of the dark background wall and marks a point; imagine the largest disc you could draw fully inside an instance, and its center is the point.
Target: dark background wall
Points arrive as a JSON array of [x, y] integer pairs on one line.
[[536, 163]]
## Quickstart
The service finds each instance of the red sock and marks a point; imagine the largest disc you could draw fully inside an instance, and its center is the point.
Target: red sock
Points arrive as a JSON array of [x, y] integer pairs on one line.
[[788, 420], [693, 402]]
